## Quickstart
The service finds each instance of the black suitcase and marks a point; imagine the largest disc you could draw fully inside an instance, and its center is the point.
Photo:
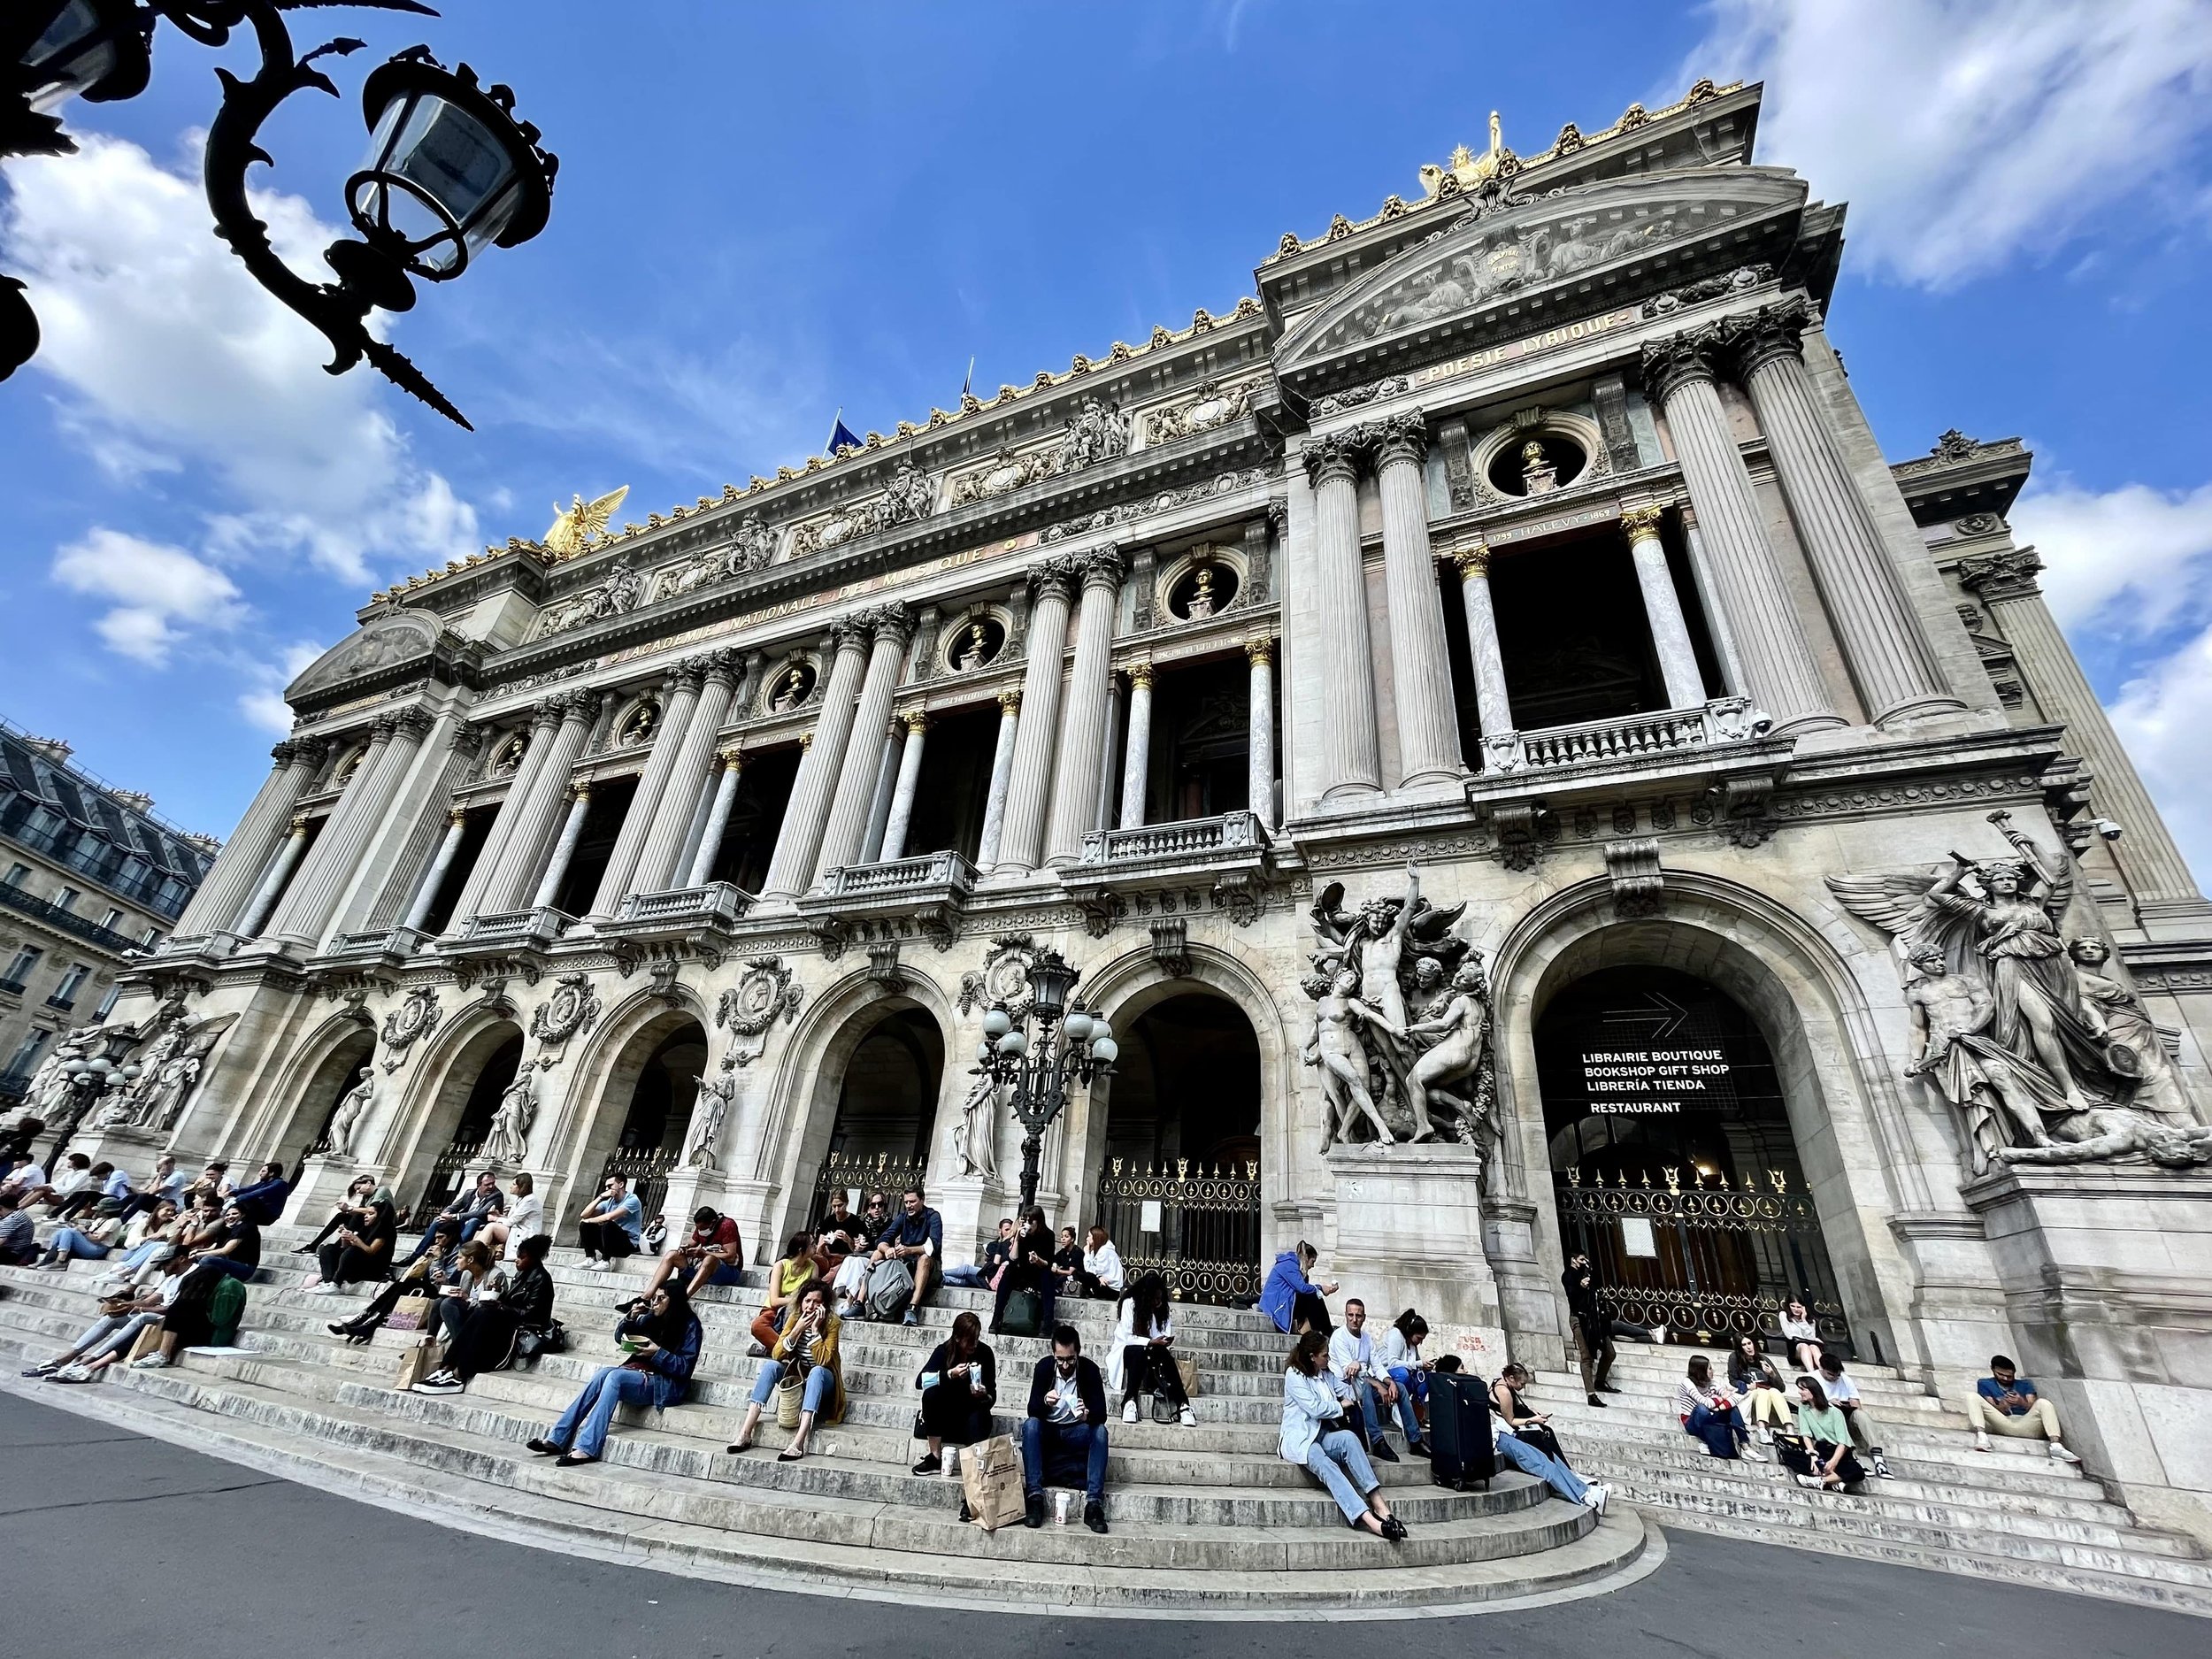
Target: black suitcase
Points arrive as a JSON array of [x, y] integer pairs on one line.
[[1460, 1455]]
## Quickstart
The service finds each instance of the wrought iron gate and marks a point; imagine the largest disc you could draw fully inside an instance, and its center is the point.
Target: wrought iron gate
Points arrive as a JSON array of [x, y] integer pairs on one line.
[[646, 1169], [1709, 1261], [445, 1180], [860, 1173], [1197, 1228]]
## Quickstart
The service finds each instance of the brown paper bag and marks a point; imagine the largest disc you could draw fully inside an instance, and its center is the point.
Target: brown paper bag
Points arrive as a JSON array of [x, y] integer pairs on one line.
[[410, 1313], [414, 1365], [1186, 1369], [148, 1340], [991, 1480]]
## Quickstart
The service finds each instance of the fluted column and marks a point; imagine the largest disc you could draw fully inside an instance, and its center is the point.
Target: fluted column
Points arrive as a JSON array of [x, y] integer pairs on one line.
[[545, 719], [564, 847], [880, 800], [516, 879], [2005, 582], [1083, 735], [680, 696], [1889, 656], [896, 827], [1351, 752], [710, 848], [440, 865], [305, 911], [657, 860], [893, 626], [1029, 787], [236, 875], [1663, 609], [1717, 628], [1010, 705], [1136, 762], [1421, 665], [821, 751], [280, 872], [1106, 800], [1493, 708], [1259, 652], [1777, 663]]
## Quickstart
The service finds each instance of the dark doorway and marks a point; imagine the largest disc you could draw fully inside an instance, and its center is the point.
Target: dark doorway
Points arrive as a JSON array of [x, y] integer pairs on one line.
[[749, 840], [588, 864], [1202, 742], [476, 829], [659, 1115], [886, 1110], [1571, 633], [954, 784]]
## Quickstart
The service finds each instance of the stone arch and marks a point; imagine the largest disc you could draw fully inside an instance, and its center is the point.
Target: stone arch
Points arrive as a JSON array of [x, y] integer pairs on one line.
[[1844, 1116], [597, 1085], [323, 1067], [434, 1089]]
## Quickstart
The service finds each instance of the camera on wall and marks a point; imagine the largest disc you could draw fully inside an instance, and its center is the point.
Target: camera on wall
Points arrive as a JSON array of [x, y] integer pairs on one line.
[[2106, 828]]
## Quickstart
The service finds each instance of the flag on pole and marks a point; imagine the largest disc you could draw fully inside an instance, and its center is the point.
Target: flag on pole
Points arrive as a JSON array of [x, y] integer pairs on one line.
[[841, 436], [967, 383]]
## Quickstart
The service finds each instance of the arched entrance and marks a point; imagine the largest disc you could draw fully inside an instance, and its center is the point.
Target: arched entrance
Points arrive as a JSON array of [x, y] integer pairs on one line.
[[1179, 1187], [308, 1129], [1672, 1159], [656, 1080], [461, 1112], [887, 1109]]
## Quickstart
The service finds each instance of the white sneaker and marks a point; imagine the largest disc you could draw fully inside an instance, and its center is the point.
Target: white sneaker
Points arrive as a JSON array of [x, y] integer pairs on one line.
[[1597, 1498], [1659, 1333], [150, 1362], [2062, 1455], [1981, 1441], [1763, 1435], [322, 1290], [1129, 1412], [1708, 1450], [1190, 1418], [1753, 1454], [1814, 1481]]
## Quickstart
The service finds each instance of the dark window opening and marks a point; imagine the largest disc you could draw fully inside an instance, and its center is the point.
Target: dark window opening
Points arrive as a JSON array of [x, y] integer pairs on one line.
[[602, 823], [749, 839], [1572, 634], [476, 829], [1187, 1086], [1202, 742], [954, 784], [660, 1106], [887, 1106]]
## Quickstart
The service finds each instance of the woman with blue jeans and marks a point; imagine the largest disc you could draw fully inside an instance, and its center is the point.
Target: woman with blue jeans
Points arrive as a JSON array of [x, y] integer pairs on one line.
[[1317, 1439], [808, 1348], [664, 1347], [1708, 1412]]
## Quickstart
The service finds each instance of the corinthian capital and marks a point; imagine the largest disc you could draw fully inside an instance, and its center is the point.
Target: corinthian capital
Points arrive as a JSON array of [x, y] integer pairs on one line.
[[412, 723], [1057, 574], [583, 705], [1675, 362], [2008, 574], [1754, 338], [891, 624], [1402, 437], [1104, 567], [1334, 457], [847, 633]]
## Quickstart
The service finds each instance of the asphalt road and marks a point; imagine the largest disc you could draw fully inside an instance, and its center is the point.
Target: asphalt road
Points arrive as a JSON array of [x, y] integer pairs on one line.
[[113, 1543]]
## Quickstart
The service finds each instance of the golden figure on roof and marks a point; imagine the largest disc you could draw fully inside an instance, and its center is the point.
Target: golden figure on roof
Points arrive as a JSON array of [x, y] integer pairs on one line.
[[577, 523], [1466, 166]]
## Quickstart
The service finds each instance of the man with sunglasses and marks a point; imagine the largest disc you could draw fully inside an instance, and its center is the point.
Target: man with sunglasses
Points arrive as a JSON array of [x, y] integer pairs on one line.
[[1065, 1429]]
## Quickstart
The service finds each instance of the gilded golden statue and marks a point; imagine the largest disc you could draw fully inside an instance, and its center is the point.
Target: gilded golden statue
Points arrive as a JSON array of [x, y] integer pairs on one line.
[[1467, 167], [577, 523]]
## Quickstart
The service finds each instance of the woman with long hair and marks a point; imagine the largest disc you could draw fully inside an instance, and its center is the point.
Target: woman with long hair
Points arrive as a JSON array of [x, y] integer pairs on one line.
[[1317, 1437], [1758, 1386], [1141, 1360], [959, 1385], [663, 1343], [1292, 1298], [806, 1349], [1708, 1412], [785, 1279], [363, 1248], [1819, 1453], [1030, 1269]]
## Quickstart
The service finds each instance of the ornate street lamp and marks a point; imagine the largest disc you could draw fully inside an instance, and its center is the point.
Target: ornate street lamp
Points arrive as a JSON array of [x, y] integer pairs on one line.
[[89, 1079], [1071, 1046], [450, 170]]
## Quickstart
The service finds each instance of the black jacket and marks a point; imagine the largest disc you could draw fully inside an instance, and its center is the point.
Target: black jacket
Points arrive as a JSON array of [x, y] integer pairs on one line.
[[941, 1357], [1582, 1295], [1088, 1382], [530, 1298]]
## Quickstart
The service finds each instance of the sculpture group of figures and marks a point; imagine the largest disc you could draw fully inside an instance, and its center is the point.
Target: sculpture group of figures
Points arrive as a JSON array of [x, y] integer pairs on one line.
[[1402, 1023], [2047, 1057]]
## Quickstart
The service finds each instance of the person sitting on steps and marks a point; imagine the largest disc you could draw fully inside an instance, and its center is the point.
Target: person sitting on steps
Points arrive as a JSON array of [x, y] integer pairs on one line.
[[837, 1235], [109, 1338], [984, 1274], [1818, 1452], [1291, 1298], [917, 1237], [362, 1250], [785, 1279], [1398, 1355], [713, 1254], [611, 1226], [1141, 1360], [423, 1278], [1514, 1417], [850, 1280], [2005, 1403], [1102, 1276], [471, 1209], [1523, 1439], [263, 1199], [663, 1347], [1067, 1263], [959, 1385], [806, 1350], [1800, 1337], [1595, 1329], [1063, 1429], [1030, 1270], [1361, 1385], [1766, 1398], [1843, 1393], [355, 1202], [1317, 1437], [485, 1339], [19, 1237], [524, 1216], [150, 1240], [1708, 1412]]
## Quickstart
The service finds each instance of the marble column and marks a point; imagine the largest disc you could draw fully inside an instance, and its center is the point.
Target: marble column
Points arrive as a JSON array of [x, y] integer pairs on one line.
[[545, 719], [1010, 705], [2005, 582], [1889, 656], [1493, 708], [1420, 664], [516, 879], [1029, 788], [1781, 678], [792, 865], [1716, 627], [1136, 762], [1105, 807], [658, 861], [440, 867], [887, 787], [1259, 652], [909, 778], [710, 848], [679, 696], [893, 626], [280, 872], [1662, 610], [305, 913], [1351, 751], [564, 846], [1083, 735], [237, 874]]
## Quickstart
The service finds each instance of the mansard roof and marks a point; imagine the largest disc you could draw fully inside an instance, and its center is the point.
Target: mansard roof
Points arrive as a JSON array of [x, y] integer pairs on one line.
[[128, 840]]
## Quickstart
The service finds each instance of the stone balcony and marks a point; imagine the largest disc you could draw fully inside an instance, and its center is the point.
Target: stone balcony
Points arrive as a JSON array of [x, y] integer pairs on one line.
[[1224, 861], [1627, 739], [895, 898], [509, 931]]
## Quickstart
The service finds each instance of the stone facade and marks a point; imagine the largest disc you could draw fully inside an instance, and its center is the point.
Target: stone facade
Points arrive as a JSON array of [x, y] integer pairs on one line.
[[1528, 534]]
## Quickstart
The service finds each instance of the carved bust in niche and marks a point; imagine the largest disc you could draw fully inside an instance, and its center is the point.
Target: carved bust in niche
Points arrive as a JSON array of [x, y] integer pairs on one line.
[[508, 756], [790, 687], [1203, 590], [1539, 476], [1535, 464], [977, 643], [640, 724]]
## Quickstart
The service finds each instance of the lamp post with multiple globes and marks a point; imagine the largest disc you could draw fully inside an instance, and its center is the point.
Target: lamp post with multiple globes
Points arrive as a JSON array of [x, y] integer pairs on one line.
[[1071, 1046]]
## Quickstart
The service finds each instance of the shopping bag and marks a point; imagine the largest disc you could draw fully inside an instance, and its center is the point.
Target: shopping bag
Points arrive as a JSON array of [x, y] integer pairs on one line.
[[1187, 1368], [414, 1365], [149, 1340], [1025, 1313], [991, 1481], [790, 1400], [410, 1313]]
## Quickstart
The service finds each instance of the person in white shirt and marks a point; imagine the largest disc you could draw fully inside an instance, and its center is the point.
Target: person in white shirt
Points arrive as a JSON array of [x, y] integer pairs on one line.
[[525, 1217], [1360, 1380], [110, 1336], [1102, 1275], [1398, 1357], [1141, 1358], [1843, 1393]]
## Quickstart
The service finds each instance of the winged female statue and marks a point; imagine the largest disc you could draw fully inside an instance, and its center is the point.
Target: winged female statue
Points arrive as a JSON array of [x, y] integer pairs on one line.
[[577, 523]]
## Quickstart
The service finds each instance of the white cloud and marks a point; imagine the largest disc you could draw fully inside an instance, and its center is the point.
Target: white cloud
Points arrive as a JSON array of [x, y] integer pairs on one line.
[[2132, 561], [2162, 718], [264, 704], [162, 591], [1964, 132]]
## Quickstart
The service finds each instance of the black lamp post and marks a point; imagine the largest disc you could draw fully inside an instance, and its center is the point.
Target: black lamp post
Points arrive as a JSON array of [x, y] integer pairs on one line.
[[1071, 1046], [449, 172]]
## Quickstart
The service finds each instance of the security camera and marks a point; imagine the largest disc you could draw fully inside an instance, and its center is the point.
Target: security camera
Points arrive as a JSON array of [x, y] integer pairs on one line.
[[2106, 828]]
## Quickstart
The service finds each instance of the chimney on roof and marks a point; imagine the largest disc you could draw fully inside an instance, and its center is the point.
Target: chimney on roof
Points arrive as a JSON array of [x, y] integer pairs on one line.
[[138, 800], [52, 747]]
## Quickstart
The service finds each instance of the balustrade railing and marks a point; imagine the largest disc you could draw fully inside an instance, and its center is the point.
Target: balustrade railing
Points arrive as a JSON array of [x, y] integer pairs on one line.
[[717, 901], [516, 927], [1189, 838], [895, 876], [1629, 737]]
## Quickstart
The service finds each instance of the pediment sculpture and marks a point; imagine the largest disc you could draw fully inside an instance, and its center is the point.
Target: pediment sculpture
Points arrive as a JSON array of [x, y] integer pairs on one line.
[[379, 643], [2045, 1058], [1215, 405], [909, 497]]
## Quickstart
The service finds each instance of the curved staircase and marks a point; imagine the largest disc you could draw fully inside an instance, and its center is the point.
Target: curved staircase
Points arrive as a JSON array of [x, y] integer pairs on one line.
[[1204, 1520]]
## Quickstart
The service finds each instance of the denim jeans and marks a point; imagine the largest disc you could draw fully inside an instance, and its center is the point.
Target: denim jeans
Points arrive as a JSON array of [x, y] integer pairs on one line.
[[1377, 1419], [1720, 1430], [1039, 1438], [1532, 1460], [1413, 1385], [583, 1427], [1339, 1461], [819, 1381], [968, 1275], [73, 1244], [238, 1270]]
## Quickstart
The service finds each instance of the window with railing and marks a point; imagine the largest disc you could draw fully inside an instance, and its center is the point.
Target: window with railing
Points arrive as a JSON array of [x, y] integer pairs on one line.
[[65, 994]]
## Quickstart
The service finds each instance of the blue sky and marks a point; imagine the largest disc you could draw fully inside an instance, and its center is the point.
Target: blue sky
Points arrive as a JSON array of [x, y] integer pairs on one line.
[[767, 212]]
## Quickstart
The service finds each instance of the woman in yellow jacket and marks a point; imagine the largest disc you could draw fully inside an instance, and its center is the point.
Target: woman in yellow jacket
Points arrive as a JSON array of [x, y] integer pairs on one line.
[[807, 1349]]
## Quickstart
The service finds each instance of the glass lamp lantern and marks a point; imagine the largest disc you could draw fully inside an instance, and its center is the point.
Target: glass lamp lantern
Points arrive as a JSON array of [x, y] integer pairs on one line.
[[1050, 979], [92, 49]]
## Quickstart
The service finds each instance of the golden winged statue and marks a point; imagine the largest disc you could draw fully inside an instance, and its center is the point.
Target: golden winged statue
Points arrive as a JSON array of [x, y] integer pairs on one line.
[[577, 523]]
